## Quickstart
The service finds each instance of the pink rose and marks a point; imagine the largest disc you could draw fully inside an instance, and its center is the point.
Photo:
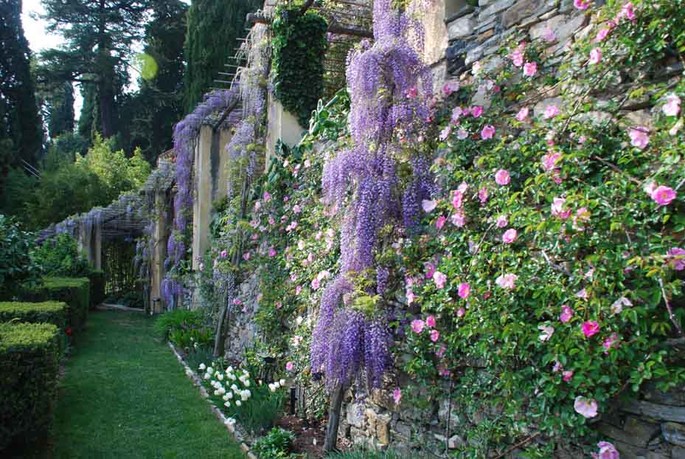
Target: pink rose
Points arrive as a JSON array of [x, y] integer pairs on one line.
[[590, 328], [606, 451], [582, 294], [567, 375], [595, 56], [457, 199], [663, 195], [558, 208], [676, 258], [627, 12], [601, 35], [507, 281], [483, 195], [439, 279], [530, 69], [476, 111], [585, 406], [266, 197], [417, 325], [522, 114], [502, 221], [430, 270], [610, 342], [488, 132], [223, 254], [461, 312], [566, 314], [546, 332], [502, 177], [639, 137], [457, 112], [440, 222], [551, 111], [430, 321], [434, 335], [458, 219], [397, 395], [509, 236], [428, 205], [450, 87], [272, 252], [581, 4], [445, 133], [464, 290], [462, 134], [672, 105], [290, 366], [550, 160], [315, 284], [516, 57]]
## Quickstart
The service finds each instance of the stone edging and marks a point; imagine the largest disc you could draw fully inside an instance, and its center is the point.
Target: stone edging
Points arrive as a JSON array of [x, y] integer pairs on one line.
[[217, 412]]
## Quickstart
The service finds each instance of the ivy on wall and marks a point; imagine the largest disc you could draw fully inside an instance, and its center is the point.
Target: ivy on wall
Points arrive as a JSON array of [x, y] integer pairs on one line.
[[299, 48]]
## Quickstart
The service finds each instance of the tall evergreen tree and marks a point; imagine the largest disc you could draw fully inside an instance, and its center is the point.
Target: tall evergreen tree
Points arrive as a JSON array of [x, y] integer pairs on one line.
[[21, 132], [213, 29], [60, 109], [99, 35]]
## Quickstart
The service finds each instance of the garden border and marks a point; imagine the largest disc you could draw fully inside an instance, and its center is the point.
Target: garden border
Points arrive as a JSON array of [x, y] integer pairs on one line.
[[217, 412]]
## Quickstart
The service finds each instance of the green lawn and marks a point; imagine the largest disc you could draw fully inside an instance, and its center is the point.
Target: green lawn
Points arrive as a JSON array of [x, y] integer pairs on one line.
[[125, 395]]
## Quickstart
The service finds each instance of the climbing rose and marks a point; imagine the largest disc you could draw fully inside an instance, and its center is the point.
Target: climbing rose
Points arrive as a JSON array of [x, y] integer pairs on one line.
[[430, 270], [464, 290], [439, 279], [585, 406], [461, 312], [509, 236], [428, 205], [289, 366], [272, 252], [639, 137], [457, 199], [462, 134], [676, 257], [617, 306], [522, 114], [434, 335], [476, 111], [223, 254], [567, 375], [590, 328], [558, 208], [566, 314], [417, 325], [502, 221], [483, 195], [672, 105], [488, 132], [663, 195], [397, 395], [627, 12], [602, 34], [606, 451], [546, 332], [610, 342], [551, 111], [516, 57], [506, 280], [430, 321], [530, 69], [440, 222], [450, 87], [550, 160], [458, 219], [445, 133], [581, 4], [595, 56], [502, 177], [582, 294]]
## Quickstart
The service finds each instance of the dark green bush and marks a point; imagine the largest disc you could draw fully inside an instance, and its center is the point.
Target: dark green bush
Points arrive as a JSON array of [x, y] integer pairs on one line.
[[29, 362], [52, 312], [276, 444], [60, 257], [97, 287], [16, 265], [75, 292], [185, 328]]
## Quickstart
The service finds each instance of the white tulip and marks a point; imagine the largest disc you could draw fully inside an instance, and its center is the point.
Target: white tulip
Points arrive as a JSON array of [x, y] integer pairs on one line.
[[282, 382], [202, 367], [219, 376], [227, 404], [229, 394], [238, 403]]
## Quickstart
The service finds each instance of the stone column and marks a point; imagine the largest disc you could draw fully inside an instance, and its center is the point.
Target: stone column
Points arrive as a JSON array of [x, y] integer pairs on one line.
[[96, 246], [202, 204], [160, 237], [281, 124]]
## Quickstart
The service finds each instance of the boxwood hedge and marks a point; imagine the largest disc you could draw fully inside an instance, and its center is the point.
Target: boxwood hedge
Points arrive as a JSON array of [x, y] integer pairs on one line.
[[75, 292]]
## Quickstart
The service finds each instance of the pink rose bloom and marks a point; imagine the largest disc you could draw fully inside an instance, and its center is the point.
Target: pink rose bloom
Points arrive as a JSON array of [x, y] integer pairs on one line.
[[582, 294], [483, 195], [430, 321], [628, 12], [223, 254], [397, 395], [590, 328], [606, 451], [567, 375], [430, 270], [530, 69], [289, 366], [522, 114], [246, 256], [502, 177], [457, 199], [412, 92], [548, 35], [676, 258], [672, 105], [434, 335], [617, 306], [441, 351], [550, 160], [463, 186], [461, 312], [457, 112], [315, 284], [417, 325], [639, 137], [551, 111], [266, 197], [445, 133], [507, 281], [440, 222], [581, 4], [428, 205], [566, 314], [516, 57], [546, 332], [595, 56], [458, 219], [558, 208], [297, 209], [502, 221], [272, 252], [450, 87], [462, 134], [439, 279], [610, 342], [298, 290], [601, 35], [663, 195], [586, 407], [464, 290], [509, 236], [476, 111], [488, 132]]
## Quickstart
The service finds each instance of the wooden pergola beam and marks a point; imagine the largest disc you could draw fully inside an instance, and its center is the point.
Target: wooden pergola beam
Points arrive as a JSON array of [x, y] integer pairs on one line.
[[261, 18]]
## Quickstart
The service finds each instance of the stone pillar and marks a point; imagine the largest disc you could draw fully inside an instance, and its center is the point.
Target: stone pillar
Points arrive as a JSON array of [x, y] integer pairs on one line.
[[432, 16], [280, 125], [202, 203], [160, 237], [96, 246], [85, 240]]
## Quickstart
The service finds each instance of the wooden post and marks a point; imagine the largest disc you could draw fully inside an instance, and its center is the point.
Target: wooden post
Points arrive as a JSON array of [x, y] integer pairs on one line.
[[330, 444]]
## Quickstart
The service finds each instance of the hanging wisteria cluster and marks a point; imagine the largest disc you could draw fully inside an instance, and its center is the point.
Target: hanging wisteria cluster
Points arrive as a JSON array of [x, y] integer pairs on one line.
[[386, 101]]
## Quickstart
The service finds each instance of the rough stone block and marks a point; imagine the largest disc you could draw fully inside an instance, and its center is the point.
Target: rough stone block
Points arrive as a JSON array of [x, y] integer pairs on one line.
[[403, 430], [455, 441], [524, 10], [383, 429], [494, 8], [674, 433], [655, 411], [675, 397], [462, 27], [355, 415]]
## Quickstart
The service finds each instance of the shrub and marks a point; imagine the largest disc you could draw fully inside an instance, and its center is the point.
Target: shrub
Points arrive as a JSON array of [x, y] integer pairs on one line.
[[75, 292], [16, 264], [52, 312], [276, 444], [97, 287], [185, 329], [29, 361], [60, 256]]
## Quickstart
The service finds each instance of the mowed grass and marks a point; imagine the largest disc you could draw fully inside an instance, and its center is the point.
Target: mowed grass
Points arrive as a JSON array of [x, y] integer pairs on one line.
[[124, 395]]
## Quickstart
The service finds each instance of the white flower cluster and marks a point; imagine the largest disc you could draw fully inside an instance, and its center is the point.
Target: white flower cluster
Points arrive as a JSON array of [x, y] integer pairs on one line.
[[274, 386], [231, 385]]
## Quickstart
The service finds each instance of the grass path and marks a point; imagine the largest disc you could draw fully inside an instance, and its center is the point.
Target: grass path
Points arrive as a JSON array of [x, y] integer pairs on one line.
[[124, 395]]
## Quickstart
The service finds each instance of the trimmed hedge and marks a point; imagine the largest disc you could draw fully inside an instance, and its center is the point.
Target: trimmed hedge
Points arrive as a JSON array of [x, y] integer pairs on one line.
[[97, 288], [29, 362], [73, 291], [52, 312]]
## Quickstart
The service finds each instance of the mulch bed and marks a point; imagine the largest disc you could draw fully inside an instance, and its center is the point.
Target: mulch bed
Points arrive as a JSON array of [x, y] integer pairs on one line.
[[309, 436]]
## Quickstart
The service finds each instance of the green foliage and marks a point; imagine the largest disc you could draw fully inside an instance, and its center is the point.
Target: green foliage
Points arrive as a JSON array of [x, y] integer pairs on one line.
[[53, 312], [97, 287], [299, 48], [29, 362], [75, 292], [370, 454], [276, 444], [16, 264], [60, 257], [185, 328]]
